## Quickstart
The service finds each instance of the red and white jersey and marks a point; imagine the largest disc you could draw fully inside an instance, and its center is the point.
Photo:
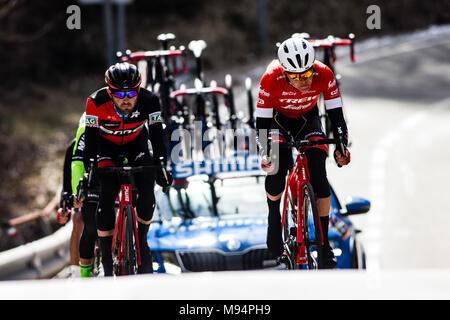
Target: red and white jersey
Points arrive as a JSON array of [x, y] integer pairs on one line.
[[275, 92]]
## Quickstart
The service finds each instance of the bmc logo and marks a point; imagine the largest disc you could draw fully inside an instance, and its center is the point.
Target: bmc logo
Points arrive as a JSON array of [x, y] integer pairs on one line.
[[126, 189]]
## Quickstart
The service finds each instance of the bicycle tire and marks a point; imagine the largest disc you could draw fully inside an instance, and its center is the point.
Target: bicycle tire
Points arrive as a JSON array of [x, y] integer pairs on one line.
[[289, 232], [97, 260], [312, 232], [115, 249], [130, 259]]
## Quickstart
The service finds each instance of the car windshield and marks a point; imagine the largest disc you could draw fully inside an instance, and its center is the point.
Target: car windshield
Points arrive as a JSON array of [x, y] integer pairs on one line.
[[242, 195]]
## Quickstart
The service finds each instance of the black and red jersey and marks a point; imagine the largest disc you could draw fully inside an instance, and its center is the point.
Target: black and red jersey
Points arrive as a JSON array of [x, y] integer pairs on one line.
[[105, 121]]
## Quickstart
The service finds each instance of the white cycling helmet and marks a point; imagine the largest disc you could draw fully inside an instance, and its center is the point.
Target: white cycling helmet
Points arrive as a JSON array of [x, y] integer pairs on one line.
[[296, 55]]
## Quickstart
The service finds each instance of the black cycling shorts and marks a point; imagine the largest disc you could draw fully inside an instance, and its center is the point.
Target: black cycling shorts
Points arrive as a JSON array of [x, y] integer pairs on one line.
[[137, 154], [285, 129]]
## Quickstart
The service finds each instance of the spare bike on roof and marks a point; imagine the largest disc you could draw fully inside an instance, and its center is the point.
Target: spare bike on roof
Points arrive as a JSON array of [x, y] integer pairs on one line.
[[205, 101], [161, 68]]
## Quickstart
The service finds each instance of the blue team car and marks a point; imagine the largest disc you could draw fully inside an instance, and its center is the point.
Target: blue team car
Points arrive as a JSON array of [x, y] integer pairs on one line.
[[216, 221]]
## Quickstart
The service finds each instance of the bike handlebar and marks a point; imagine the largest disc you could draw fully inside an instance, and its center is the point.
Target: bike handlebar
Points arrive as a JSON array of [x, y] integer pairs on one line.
[[126, 170], [85, 183], [308, 143], [299, 144], [332, 42]]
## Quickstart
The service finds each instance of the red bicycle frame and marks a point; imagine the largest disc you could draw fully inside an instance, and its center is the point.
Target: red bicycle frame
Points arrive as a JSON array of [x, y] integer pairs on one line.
[[125, 199], [297, 178]]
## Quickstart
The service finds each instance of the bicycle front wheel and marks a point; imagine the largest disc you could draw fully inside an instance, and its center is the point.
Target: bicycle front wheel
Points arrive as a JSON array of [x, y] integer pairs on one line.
[[130, 259], [289, 232], [312, 233]]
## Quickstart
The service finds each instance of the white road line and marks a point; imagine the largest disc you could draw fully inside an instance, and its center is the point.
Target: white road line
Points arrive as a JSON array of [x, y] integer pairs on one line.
[[377, 179]]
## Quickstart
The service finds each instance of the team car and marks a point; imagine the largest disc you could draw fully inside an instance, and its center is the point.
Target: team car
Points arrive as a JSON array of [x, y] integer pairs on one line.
[[218, 221]]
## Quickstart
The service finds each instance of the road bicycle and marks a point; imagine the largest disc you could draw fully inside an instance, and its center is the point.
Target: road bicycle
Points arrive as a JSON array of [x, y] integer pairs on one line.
[[125, 246], [205, 113], [237, 120], [159, 75], [301, 229], [328, 46]]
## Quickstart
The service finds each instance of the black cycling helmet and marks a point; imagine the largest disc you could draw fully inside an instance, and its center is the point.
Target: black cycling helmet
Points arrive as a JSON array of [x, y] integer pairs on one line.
[[123, 76]]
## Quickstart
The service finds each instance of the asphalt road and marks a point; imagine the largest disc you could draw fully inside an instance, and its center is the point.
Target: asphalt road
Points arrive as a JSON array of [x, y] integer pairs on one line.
[[397, 104]]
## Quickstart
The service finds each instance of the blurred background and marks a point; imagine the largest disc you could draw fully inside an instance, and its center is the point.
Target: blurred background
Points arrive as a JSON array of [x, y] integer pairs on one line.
[[48, 70]]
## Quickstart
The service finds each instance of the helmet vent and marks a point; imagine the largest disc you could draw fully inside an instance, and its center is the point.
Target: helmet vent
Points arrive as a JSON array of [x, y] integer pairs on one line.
[[299, 60], [304, 44], [286, 49], [306, 59], [291, 63]]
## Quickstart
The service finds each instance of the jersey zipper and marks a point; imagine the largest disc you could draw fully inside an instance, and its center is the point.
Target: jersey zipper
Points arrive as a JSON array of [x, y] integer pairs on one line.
[[123, 128]]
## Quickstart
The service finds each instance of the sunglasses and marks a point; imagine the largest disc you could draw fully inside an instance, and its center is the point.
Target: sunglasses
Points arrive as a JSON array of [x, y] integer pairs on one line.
[[122, 94], [297, 76]]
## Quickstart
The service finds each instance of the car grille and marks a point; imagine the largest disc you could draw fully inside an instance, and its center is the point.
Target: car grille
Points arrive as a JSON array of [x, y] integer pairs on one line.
[[217, 261]]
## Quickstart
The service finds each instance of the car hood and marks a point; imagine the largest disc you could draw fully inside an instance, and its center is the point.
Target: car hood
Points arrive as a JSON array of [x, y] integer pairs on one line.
[[227, 233]]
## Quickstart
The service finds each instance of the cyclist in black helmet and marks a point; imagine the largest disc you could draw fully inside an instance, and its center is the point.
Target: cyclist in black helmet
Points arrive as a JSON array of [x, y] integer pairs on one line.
[[116, 118]]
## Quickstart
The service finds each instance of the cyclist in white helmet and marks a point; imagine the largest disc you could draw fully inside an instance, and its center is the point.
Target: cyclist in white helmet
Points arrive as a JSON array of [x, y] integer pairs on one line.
[[287, 108]]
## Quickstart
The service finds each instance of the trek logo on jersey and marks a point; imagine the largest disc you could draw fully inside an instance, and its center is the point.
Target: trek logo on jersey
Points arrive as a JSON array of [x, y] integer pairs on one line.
[[299, 100], [155, 117], [263, 93], [92, 121], [331, 84]]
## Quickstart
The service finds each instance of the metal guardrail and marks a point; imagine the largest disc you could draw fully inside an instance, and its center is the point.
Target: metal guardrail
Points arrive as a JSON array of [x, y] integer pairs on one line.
[[26, 228], [39, 259], [49, 209]]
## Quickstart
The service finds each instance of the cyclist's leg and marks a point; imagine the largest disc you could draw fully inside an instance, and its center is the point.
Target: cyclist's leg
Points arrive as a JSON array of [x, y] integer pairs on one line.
[[145, 204], [87, 241], [145, 207], [317, 167], [77, 229], [274, 186], [109, 186], [318, 177], [319, 182]]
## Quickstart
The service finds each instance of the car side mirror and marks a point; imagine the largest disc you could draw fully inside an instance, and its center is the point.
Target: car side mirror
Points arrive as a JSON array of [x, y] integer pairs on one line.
[[356, 205]]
